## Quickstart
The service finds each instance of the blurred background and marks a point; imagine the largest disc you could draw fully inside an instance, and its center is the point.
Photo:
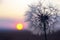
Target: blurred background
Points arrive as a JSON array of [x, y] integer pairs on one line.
[[12, 16]]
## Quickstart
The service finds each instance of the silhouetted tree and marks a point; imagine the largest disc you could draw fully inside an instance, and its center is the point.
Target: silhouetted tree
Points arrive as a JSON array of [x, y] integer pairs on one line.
[[41, 19]]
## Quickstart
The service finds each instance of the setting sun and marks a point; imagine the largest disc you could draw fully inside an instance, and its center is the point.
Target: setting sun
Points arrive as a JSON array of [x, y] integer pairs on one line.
[[19, 26]]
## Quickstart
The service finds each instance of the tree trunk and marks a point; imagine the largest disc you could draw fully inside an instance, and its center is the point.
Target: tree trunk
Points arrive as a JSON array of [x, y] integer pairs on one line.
[[45, 35]]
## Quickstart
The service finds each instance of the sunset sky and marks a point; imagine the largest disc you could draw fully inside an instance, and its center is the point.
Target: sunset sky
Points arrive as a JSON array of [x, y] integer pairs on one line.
[[12, 11]]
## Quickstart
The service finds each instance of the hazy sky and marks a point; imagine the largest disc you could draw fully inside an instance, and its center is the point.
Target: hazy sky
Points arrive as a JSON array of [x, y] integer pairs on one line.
[[12, 10], [17, 8]]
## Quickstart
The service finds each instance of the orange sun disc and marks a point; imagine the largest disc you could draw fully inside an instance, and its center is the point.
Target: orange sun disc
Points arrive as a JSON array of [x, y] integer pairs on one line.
[[19, 26]]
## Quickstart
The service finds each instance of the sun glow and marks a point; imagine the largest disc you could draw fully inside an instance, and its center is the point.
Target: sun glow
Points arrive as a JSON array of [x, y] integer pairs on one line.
[[19, 26]]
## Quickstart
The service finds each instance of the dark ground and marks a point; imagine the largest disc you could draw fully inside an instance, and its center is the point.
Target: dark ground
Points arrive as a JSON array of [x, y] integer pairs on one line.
[[17, 35], [26, 35]]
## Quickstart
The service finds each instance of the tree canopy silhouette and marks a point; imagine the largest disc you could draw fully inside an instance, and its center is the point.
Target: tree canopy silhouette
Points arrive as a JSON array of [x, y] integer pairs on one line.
[[41, 18]]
